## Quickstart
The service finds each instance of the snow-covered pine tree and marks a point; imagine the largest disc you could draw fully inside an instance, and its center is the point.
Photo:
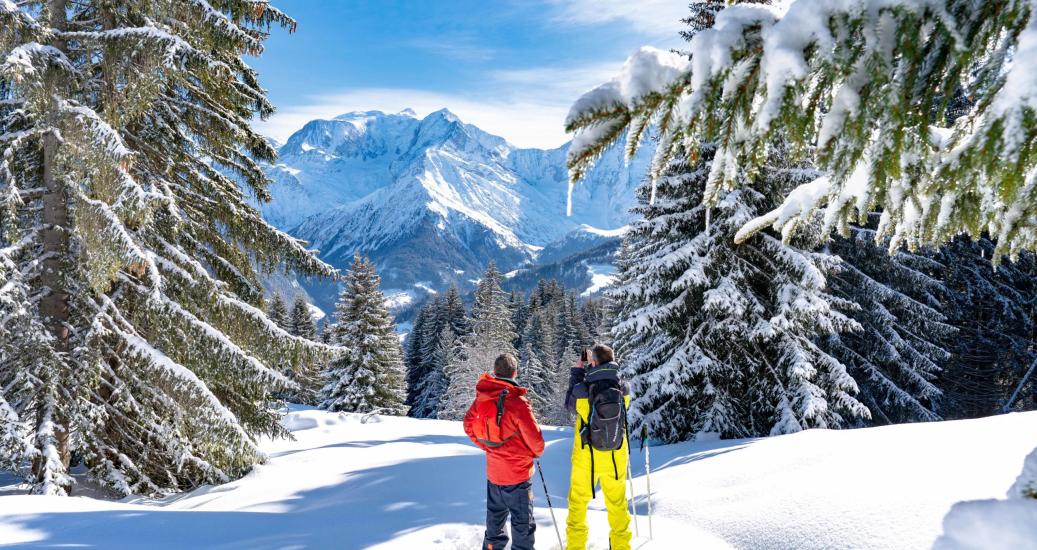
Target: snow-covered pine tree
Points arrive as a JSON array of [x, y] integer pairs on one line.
[[23, 348], [585, 332], [718, 338], [537, 363], [412, 357], [15, 446], [369, 375], [434, 322], [557, 414], [519, 314], [278, 312], [434, 384], [490, 319], [301, 322], [428, 372], [490, 334], [136, 255], [325, 333], [454, 313], [307, 376], [594, 316], [995, 312], [565, 328], [896, 358], [851, 85]]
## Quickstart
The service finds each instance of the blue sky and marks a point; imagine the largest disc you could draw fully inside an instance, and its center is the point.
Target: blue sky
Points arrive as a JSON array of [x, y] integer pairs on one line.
[[511, 67]]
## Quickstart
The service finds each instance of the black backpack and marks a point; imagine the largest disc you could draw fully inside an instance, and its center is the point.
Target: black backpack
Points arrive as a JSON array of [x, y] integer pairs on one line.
[[606, 425]]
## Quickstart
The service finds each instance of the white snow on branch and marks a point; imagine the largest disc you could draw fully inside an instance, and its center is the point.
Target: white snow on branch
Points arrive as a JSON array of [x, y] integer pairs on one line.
[[221, 21], [31, 59], [648, 70], [798, 204], [103, 134], [142, 348]]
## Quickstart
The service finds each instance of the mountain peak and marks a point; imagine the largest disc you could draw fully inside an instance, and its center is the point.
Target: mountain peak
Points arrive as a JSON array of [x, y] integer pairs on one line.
[[354, 115], [445, 114], [408, 112]]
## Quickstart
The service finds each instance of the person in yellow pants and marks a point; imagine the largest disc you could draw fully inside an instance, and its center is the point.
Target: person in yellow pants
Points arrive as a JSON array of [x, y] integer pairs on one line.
[[591, 466]]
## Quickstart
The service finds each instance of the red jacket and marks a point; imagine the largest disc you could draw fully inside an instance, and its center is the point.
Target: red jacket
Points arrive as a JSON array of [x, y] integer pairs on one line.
[[512, 462]]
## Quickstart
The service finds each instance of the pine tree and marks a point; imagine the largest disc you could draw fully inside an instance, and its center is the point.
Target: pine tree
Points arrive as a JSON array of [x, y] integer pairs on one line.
[[594, 316], [15, 446], [718, 338], [131, 254], [454, 311], [278, 312], [413, 358], [574, 333], [557, 414], [852, 86], [537, 362], [301, 322], [490, 334], [519, 314], [855, 89], [325, 333], [995, 312], [434, 323], [369, 375], [429, 372], [898, 355], [490, 319], [306, 377], [433, 385]]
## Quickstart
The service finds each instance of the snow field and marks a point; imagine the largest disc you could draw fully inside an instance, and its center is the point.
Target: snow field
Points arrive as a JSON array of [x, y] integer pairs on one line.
[[351, 481]]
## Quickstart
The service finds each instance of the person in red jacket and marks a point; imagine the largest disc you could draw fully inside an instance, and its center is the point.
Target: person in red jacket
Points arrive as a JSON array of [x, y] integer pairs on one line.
[[501, 422]]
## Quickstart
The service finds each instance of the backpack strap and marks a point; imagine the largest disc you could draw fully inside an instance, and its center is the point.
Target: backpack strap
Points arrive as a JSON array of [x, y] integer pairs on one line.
[[593, 493], [500, 406]]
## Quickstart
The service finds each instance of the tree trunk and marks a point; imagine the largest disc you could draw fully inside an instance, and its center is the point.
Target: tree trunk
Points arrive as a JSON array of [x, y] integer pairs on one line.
[[54, 306]]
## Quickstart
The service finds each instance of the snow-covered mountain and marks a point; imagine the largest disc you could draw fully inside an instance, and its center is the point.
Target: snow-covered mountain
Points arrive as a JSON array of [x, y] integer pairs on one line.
[[433, 199]]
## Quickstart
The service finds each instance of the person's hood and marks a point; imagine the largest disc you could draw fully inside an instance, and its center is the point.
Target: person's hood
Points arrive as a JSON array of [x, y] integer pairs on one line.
[[490, 387]]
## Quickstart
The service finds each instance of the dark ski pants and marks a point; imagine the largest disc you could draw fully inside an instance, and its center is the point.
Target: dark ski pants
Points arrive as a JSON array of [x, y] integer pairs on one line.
[[516, 500]]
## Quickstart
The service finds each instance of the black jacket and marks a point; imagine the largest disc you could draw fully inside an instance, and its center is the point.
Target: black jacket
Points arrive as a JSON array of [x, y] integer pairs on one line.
[[580, 378]]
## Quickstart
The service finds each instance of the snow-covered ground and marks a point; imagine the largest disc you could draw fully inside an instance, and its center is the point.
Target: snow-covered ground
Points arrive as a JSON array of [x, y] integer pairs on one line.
[[418, 484], [602, 275]]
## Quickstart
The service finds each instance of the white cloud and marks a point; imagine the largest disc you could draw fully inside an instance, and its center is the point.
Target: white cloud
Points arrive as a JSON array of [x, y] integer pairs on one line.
[[527, 106], [657, 18], [458, 46]]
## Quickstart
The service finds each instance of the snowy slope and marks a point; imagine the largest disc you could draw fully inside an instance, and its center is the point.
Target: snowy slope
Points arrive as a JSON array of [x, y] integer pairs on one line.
[[432, 200], [404, 483]]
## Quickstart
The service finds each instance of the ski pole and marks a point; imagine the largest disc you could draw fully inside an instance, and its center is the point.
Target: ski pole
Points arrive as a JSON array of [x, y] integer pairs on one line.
[[543, 480], [648, 475]]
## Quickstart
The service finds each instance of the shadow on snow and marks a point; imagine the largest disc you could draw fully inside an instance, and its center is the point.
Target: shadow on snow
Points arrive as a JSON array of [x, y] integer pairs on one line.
[[369, 507]]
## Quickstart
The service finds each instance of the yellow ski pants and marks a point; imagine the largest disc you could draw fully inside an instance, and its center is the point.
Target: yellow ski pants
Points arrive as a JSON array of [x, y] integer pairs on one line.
[[610, 469]]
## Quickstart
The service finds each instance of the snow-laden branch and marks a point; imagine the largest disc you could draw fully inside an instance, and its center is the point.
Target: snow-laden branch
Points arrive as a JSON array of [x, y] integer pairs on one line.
[[862, 88]]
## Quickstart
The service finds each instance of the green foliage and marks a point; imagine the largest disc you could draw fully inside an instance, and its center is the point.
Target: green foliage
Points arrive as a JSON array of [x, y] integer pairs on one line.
[[130, 330], [858, 96]]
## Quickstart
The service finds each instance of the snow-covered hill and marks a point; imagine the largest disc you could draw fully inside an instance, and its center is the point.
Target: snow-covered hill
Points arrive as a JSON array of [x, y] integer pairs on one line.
[[432, 200], [398, 483]]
